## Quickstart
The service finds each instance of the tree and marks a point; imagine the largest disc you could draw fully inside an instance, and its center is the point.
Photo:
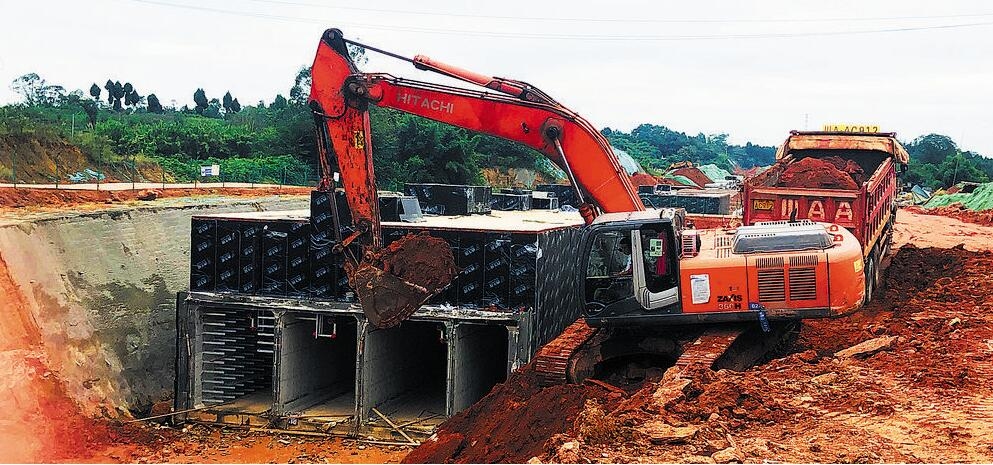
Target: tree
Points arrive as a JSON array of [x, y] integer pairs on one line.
[[132, 98], [95, 91], [154, 106], [300, 92], [279, 102], [119, 94], [36, 91], [932, 148], [226, 102], [90, 108], [110, 91], [200, 99], [235, 106], [213, 109]]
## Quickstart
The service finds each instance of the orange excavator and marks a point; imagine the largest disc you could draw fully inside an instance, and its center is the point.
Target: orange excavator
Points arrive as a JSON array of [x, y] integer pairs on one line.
[[637, 267]]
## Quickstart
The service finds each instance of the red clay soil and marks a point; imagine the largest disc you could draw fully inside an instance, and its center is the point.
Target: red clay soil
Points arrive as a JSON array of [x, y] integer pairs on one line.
[[815, 173], [959, 212], [11, 198], [642, 179], [421, 259], [923, 398], [714, 221], [694, 174], [42, 424], [848, 166], [510, 425]]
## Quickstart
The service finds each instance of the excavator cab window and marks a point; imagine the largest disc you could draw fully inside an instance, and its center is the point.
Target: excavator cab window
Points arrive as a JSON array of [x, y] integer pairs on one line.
[[659, 257], [609, 272], [631, 269]]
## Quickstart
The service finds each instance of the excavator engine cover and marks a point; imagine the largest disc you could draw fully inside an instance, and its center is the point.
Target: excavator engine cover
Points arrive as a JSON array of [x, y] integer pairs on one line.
[[394, 282]]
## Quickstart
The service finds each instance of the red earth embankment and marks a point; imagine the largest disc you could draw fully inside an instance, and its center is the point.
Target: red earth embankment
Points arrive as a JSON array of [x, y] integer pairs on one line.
[[58, 199]]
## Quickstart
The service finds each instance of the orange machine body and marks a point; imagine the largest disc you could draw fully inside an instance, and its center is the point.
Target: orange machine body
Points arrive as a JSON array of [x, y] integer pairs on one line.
[[815, 283]]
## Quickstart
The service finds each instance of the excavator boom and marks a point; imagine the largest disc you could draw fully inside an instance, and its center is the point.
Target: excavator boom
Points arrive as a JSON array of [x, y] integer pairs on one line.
[[513, 110]]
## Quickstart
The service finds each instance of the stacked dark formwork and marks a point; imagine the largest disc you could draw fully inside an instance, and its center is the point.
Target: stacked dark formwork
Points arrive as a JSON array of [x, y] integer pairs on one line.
[[327, 367]]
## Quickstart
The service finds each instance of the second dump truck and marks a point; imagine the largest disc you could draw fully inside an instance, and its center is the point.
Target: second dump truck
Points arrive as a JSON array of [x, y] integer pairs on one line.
[[865, 204]]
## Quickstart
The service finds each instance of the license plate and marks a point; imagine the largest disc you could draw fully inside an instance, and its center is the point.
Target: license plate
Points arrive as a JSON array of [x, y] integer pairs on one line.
[[763, 204]]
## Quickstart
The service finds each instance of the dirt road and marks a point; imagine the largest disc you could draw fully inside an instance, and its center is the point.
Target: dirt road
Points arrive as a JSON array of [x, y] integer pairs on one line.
[[23, 199]]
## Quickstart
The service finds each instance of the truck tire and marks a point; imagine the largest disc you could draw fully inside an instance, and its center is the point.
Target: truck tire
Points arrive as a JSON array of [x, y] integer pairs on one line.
[[870, 278]]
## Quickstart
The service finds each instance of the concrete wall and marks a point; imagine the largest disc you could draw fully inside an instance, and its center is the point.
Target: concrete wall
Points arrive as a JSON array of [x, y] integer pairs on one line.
[[406, 364], [101, 288], [480, 362], [312, 370]]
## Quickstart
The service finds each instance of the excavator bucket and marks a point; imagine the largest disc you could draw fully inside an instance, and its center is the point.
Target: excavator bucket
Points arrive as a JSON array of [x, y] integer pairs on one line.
[[394, 282]]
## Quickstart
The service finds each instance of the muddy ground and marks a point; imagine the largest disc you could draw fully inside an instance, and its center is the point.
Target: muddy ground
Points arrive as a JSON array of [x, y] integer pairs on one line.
[[923, 396]]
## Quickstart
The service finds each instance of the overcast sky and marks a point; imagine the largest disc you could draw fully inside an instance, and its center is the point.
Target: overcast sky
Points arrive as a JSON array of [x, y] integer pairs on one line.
[[753, 69]]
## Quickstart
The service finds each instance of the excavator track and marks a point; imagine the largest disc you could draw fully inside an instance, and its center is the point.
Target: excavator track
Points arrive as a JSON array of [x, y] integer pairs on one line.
[[708, 347], [552, 362], [579, 348]]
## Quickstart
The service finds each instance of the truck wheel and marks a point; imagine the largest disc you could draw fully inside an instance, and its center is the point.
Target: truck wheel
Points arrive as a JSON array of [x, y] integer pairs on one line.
[[870, 279], [877, 275]]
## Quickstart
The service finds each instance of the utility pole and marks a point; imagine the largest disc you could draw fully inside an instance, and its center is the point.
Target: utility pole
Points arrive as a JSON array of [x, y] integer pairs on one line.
[[955, 174]]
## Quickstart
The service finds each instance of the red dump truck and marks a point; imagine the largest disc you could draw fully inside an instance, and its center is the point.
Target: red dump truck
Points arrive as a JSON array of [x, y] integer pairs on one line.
[[845, 178]]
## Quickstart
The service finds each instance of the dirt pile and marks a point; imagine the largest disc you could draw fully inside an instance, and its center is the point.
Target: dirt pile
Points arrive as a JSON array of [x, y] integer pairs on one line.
[[713, 221], [959, 212], [693, 174], [57, 199], [642, 179], [421, 259], [510, 425], [923, 398], [817, 173], [848, 166]]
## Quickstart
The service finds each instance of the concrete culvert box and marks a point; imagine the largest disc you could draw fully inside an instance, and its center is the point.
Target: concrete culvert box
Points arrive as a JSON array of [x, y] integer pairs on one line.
[[317, 366], [405, 371], [481, 361], [235, 360]]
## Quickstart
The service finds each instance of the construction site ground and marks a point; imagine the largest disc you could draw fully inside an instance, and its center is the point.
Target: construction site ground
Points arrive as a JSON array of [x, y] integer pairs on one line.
[[33, 199], [905, 380]]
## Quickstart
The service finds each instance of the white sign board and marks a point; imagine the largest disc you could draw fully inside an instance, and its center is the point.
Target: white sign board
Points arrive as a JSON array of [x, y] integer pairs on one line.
[[212, 170], [700, 288]]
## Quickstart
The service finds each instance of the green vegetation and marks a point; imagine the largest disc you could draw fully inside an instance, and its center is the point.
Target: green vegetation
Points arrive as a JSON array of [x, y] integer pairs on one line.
[[656, 147], [121, 131], [936, 162], [257, 143]]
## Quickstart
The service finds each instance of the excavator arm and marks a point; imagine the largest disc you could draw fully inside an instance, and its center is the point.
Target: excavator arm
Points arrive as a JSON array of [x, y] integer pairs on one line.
[[513, 110]]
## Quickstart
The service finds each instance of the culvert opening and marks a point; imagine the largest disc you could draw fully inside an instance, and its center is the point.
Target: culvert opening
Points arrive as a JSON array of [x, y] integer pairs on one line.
[[317, 365], [405, 371], [480, 362], [236, 367]]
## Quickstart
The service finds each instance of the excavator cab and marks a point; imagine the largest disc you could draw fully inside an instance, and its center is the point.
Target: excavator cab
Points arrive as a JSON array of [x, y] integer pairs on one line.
[[631, 264]]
